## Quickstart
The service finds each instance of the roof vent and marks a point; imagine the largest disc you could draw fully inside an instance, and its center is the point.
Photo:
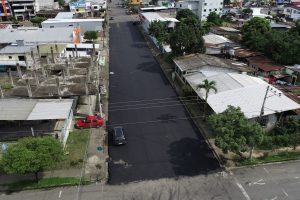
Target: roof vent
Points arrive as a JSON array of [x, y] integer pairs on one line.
[[20, 42]]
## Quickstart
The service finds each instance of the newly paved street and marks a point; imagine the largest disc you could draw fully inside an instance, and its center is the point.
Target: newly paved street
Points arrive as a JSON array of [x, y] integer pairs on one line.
[[144, 103]]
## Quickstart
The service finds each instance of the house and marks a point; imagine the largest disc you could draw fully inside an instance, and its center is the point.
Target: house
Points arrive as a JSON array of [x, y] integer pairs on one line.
[[194, 63], [35, 117], [292, 12], [263, 66], [260, 12], [148, 17], [242, 53], [225, 31], [215, 44], [246, 92], [13, 54], [294, 73], [34, 35], [202, 8], [88, 6]]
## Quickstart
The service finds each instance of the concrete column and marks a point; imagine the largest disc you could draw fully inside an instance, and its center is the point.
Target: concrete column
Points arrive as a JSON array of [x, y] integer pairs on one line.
[[38, 50], [88, 78], [58, 87], [11, 78], [76, 50], [64, 76], [28, 88], [73, 53], [43, 71], [32, 57], [52, 55], [1, 93], [19, 70], [56, 48], [26, 62], [86, 88], [67, 68], [36, 77]]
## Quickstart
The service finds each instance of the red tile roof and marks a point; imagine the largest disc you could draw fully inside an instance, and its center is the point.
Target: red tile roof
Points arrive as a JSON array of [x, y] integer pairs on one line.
[[263, 63]]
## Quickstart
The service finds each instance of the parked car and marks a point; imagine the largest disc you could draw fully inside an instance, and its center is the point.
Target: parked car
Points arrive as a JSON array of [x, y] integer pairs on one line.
[[111, 18], [118, 136], [90, 122]]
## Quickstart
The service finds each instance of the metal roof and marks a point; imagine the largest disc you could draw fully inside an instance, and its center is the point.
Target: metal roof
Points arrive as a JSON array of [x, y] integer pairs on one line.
[[34, 35], [34, 109], [51, 21], [14, 49], [242, 91], [215, 39], [153, 16], [64, 15]]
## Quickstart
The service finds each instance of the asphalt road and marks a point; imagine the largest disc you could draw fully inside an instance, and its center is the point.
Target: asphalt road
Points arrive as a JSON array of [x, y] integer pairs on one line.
[[271, 182], [144, 103]]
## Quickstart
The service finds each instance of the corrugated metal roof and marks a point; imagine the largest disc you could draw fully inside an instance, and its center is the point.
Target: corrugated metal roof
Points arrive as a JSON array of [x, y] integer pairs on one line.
[[12, 49], [34, 109], [242, 91], [34, 35], [64, 15], [215, 39]]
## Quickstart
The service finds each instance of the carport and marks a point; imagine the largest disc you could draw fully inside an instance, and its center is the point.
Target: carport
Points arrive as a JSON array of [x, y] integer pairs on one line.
[[35, 117]]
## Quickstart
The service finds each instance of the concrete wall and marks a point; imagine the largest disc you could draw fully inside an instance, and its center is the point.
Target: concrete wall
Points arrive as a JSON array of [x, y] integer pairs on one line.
[[12, 59]]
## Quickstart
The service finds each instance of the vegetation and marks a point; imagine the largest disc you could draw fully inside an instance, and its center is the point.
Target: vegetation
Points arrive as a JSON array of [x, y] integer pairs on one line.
[[182, 43], [285, 134], [247, 12], [184, 14], [234, 132], [75, 149], [45, 183], [37, 20], [32, 155], [90, 35], [159, 30], [282, 47], [61, 2], [179, 41], [207, 86], [214, 19]]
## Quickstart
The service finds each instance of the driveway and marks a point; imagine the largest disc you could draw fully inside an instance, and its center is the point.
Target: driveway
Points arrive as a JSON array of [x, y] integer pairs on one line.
[[162, 140]]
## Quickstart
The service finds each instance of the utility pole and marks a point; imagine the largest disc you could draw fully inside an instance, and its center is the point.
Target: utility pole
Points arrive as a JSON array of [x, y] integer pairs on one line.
[[263, 105]]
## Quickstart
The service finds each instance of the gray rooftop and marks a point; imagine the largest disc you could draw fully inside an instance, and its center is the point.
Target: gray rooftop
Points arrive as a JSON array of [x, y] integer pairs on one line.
[[34, 109], [33, 35], [14, 49], [196, 61]]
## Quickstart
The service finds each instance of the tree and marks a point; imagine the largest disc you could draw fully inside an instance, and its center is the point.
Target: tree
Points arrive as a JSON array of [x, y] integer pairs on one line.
[[184, 14], [254, 31], [90, 35], [32, 155], [61, 2], [214, 19], [207, 86], [234, 132], [295, 30], [158, 29], [187, 37], [247, 12], [37, 20]]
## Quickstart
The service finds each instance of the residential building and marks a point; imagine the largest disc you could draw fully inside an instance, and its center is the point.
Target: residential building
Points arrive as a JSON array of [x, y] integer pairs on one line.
[[215, 44], [202, 8], [46, 5], [194, 63], [23, 9], [292, 12], [246, 92], [88, 6], [35, 117]]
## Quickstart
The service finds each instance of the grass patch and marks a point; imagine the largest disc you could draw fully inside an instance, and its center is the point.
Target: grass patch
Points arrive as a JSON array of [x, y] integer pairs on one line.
[[5, 82], [282, 156], [75, 149], [45, 183]]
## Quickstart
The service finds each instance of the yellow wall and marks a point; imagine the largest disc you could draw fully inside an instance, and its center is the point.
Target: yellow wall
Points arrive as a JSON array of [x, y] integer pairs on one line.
[[135, 2]]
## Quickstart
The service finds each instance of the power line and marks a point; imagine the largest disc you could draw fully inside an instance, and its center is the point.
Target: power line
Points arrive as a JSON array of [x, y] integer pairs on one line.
[[144, 104], [124, 102], [156, 121], [162, 106]]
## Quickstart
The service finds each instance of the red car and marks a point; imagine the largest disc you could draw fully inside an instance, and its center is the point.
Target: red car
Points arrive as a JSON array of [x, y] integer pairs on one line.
[[90, 122]]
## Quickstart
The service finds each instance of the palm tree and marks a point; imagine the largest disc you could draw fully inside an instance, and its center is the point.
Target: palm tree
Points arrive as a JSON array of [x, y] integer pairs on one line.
[[207, 86]]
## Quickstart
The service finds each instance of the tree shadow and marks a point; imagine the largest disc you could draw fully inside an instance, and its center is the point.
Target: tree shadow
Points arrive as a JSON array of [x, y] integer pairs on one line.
[[191, 157], [166, 118]]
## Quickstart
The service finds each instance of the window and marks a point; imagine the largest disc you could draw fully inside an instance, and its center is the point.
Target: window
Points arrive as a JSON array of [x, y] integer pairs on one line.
[[205, 4], [9, 57], [209, 10], [21, 58], [216, 9], [180, 5], [220, 9], [264, 121], [70, 24], [221, 3], [51, 26], [204, 10]]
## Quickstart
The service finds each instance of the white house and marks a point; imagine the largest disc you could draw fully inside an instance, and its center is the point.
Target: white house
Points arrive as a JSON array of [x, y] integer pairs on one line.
[[292, 12], [246, 92], [201, 8]]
